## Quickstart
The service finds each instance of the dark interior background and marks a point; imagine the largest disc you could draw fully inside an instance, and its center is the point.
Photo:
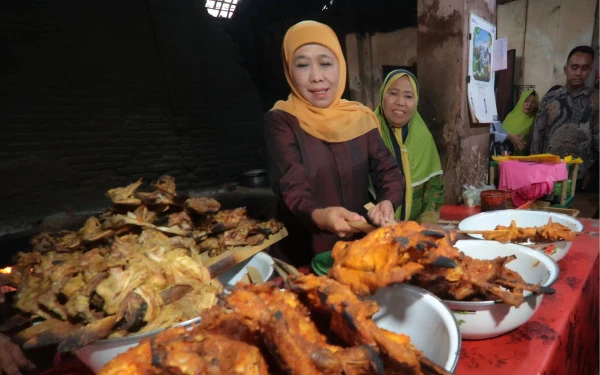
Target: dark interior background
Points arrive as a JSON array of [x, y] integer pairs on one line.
[[96, 94]]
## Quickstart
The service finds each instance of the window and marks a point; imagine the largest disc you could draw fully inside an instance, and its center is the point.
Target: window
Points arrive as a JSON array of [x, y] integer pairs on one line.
[[221, 8]]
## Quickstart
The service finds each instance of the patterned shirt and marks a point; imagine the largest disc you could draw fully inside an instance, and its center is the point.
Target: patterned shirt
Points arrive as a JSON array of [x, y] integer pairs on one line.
[[567, 124]]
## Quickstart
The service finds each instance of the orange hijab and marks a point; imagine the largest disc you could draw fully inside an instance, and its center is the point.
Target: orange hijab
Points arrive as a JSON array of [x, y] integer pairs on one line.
[[343, 120]]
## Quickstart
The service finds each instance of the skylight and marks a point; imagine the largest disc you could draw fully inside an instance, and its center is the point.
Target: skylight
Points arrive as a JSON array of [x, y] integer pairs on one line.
[[221, 8]]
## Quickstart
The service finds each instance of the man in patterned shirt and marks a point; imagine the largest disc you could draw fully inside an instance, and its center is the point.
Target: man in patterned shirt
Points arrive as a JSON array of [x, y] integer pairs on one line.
[[567, 120]]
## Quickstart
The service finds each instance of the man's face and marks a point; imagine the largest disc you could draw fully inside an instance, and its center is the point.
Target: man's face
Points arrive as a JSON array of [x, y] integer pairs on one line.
[[577, 69]]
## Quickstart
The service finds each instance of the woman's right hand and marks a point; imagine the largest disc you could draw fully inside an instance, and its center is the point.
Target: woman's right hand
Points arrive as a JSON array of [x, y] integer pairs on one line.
[[334, 219], [517, 141]]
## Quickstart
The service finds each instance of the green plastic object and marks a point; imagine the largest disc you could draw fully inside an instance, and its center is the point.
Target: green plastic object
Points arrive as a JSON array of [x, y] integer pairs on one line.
[[322, 263], [558, 188]]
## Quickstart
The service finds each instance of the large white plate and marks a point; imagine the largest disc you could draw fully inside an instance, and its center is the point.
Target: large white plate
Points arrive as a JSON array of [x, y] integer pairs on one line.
[[524, 218], [419, 314]]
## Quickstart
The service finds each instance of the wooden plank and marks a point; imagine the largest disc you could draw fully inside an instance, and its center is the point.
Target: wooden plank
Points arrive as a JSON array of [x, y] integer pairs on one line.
[[216, 265]]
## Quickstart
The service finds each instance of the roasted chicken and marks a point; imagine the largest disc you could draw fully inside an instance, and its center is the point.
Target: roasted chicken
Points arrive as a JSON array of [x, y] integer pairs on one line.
[[127, 271], [389, 255], [408, 252], [265, 330]]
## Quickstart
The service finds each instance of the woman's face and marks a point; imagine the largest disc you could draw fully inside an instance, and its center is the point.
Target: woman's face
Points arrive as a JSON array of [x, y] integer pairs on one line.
[[530, 105], [316, 74], [399, 102]]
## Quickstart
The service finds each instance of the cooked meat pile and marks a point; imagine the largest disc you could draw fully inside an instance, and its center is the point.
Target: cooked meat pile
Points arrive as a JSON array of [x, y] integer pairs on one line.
[[550, 232], [259, 329], [409, 252], [135, 268]]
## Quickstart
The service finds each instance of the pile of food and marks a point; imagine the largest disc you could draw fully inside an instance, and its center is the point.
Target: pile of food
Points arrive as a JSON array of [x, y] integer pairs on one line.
[[550, 232], [409, 252], [260, 329], [136, 268]]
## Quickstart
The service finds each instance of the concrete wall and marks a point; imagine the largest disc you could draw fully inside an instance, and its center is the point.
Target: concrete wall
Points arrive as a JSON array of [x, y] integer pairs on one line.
[[543, 32], [366, 54], [98, 93]]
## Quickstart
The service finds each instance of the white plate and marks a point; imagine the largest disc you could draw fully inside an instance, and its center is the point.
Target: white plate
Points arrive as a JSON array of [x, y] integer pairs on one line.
[[482, 320], [523, 218], [419, 314], [261, 261]]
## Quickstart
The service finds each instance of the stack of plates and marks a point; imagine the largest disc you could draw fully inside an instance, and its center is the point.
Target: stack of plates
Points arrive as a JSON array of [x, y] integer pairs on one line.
[[322, 263]]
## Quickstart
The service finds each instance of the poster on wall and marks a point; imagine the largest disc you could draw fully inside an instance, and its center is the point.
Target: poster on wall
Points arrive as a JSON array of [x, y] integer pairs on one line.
[[480, 89]]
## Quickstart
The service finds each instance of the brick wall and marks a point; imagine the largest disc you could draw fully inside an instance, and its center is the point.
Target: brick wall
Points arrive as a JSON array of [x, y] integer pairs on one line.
[[97, 93]]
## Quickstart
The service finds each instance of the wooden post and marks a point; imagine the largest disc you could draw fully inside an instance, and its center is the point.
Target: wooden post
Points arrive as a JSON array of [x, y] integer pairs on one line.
[[574, 179], [563, 192]]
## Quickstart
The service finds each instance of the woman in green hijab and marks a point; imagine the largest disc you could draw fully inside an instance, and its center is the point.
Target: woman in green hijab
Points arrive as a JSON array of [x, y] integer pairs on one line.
[[408, 138], [520, 119]]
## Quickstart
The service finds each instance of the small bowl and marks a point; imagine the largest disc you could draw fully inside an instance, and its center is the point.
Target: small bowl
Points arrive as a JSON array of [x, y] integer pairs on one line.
[[261, 261], [524, 218], [419, 314], [97, 355], [486, 319], [492, 200]]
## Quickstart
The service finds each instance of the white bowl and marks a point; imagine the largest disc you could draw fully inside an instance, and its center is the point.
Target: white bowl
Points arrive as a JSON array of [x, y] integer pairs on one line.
[[421, 315], [97, 355], [261, 261], [523, 218], [486, 319]]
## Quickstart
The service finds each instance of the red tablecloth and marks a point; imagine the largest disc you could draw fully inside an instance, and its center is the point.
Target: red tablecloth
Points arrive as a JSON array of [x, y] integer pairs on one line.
[[562, 337]]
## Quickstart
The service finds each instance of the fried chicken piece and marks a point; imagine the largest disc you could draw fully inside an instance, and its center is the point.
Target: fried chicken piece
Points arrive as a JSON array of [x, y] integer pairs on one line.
[[350, 319], [164, 193], [474, 277], [92, 230], [226, 219], [203, 205], [389, 255], [142, 213], [166, 184], [181, 220], [48, 332], [247, 233], [206, 353], [292, 338], [550, 232], [214, 245], [124, 195], [271, 226], [60, 241]]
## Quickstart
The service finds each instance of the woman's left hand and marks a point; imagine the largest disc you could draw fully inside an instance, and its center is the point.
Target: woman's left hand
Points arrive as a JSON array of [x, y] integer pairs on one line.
[[382, 214]]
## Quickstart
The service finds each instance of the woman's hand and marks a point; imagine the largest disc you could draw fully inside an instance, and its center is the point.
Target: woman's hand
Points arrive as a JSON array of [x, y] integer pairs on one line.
[[334, 219], [517, 141], [12, 358], [382, 214]]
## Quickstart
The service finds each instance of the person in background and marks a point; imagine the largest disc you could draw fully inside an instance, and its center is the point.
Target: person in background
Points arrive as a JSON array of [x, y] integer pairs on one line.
[[567, 121], [406, 135], [500, 136], [321, 149], [12, 359], [520, 120]]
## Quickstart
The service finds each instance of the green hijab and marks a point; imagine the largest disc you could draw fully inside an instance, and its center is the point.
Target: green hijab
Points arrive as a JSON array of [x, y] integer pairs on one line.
[[517, 122], [420, 158]]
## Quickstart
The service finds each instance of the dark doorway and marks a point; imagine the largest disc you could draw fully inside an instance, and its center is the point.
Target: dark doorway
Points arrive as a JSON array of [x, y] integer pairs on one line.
[[505, 99]]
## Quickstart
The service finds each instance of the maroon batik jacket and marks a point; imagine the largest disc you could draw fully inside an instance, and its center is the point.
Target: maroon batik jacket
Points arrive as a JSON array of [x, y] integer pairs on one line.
[[307, 173]]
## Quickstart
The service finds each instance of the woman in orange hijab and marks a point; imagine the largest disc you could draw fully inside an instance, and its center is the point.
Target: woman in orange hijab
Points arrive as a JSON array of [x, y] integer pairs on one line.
[[322, 149]]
